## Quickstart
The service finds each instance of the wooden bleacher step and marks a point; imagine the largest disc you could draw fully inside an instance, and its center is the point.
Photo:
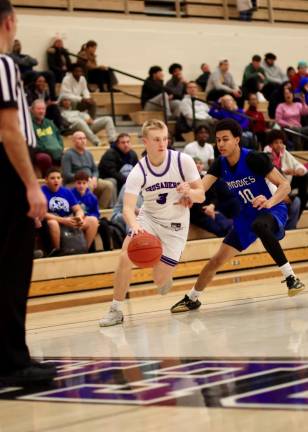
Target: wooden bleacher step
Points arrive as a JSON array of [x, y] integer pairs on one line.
[[139, 117], [92, 271]]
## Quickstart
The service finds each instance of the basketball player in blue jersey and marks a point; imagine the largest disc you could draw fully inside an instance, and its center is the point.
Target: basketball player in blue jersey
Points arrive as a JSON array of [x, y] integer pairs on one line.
[[260, 190], [168, 180]]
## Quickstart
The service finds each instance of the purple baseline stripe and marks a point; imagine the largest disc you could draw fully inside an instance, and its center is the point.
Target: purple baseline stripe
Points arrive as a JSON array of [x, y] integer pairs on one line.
[[143, 172], [168, 261], [167, 167], [180, 166]]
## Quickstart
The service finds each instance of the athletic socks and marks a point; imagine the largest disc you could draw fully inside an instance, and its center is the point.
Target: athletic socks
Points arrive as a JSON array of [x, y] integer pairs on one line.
[[194, 294], [287, 270], [117, 305]]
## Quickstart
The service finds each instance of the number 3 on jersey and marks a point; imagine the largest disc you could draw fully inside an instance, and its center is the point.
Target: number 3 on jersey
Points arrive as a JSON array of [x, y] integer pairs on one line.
[[162, 198], [246, 195]]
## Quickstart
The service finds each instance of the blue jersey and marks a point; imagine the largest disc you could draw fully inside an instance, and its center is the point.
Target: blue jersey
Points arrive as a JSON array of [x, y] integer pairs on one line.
[[246, 185], [60, 202], [88, 202]]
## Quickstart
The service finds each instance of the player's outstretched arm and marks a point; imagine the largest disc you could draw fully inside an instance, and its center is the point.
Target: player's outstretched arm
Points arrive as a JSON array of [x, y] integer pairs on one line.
[[191, 192], [197, 194], [283, 189], [130, 201], [208, 181]]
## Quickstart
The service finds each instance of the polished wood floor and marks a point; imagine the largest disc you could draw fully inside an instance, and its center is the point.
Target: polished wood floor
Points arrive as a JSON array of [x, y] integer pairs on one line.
[[253, 320]]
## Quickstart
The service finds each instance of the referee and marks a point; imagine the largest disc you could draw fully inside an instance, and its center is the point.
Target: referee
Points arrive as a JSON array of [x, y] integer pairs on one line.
[[21, 202]]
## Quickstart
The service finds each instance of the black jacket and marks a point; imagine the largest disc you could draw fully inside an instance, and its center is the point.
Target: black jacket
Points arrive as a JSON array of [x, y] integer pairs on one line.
[[56, 59], [150, 89], [112, 162]]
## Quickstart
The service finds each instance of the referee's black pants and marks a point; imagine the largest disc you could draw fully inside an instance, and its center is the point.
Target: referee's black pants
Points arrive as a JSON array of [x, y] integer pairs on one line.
[[16, 255]]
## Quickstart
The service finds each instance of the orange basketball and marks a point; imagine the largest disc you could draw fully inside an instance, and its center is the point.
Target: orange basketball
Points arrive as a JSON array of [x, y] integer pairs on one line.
[[144, 250]]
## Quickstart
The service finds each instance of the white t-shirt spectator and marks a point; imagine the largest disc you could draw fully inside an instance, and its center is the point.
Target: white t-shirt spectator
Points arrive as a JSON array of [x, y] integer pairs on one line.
[[201, 109], [74, 90], [205, 153]]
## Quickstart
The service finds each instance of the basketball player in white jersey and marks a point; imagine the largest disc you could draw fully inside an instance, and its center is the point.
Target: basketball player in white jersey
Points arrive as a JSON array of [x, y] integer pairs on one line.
[[167, 180]]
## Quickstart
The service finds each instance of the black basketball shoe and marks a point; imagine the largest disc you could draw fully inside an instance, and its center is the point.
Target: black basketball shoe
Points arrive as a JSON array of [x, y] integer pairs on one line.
[[295, 286], [185, 305]]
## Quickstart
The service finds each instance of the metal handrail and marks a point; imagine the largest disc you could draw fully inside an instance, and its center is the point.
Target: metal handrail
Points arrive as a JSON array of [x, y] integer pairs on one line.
[[112, 90], [126, 74]]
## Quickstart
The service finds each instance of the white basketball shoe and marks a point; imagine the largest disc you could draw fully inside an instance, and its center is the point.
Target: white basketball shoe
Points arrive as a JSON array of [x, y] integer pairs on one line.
[[113, 317]]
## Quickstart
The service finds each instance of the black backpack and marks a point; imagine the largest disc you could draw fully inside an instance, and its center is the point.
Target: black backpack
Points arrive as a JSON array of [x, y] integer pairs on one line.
[[112, 234]]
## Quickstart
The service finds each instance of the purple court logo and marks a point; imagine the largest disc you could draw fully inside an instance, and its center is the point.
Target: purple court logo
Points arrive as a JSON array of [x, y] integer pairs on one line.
[[224, 383]]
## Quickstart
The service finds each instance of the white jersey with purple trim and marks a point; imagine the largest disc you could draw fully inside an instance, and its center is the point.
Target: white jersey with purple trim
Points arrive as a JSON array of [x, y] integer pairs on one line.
[[158, 186]]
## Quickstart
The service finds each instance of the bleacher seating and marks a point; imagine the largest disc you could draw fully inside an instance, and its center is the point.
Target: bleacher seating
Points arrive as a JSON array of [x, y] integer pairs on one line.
[[201, 243], [124, 104], [129, 6], [289, 11]]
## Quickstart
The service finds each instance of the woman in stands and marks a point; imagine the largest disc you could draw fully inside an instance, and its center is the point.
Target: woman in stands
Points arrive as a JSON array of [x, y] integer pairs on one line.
[[95, 74], [39, 89], [58, 59], [288, 115]]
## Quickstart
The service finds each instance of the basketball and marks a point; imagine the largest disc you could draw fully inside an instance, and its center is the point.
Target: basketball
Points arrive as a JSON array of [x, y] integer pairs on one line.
[[144, 250]]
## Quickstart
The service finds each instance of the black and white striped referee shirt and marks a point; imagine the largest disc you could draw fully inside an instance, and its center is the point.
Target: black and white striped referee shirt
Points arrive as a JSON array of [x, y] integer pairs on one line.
[[12, 96]]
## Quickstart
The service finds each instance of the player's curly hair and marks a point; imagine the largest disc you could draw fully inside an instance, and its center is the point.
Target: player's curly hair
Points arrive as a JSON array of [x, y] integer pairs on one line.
[[152, 125], [276, 134]]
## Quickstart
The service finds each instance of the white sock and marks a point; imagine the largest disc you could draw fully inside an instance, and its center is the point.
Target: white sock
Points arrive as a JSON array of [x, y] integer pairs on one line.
[[194, 294], [287, 270], [116, 304]]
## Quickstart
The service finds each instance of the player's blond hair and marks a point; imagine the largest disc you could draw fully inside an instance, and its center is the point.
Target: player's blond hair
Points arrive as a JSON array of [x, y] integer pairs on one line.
[[152, 125]]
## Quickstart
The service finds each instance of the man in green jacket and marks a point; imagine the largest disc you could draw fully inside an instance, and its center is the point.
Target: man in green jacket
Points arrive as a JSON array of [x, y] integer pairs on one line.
[[49, 146], [254, 77]]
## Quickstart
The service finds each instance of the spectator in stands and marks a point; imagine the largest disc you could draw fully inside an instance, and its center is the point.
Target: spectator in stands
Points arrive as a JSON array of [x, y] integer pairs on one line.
[[302, 92], [39, 89], [206, 216], [290, 72], [170, 141], [176, 85], [201, 109], [257, 124], [283, 160], [117, 213], [200, 148], [152, 94], [64, 210], [85, 198], [277, 97], [274, 75], [221, 82], [75, 87], [78, 158], [49, 149], [58, 59], [24, 61], [100, 75], [26, 64], [229, 109], [245, 9], [117, 162], [288, 115], [253, 77], [81, 121], [302, 72], [204, 77]]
